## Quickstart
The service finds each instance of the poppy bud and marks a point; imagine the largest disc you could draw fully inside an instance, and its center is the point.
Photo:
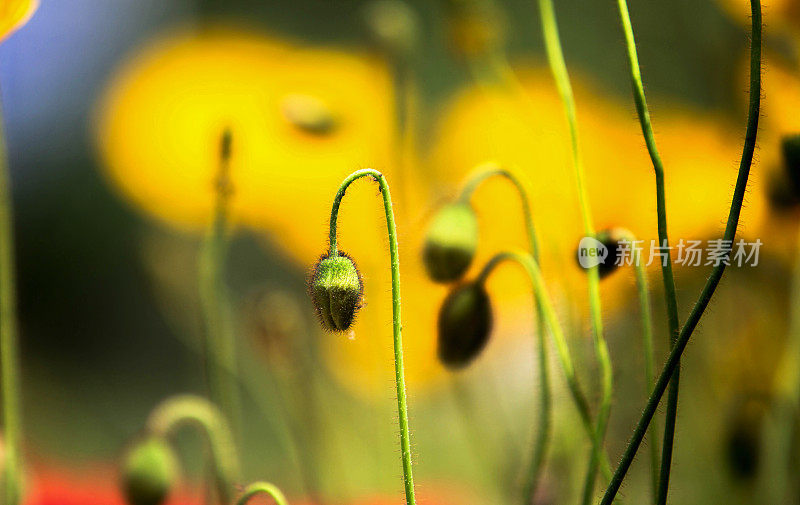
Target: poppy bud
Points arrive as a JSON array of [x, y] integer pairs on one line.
[[465, 321], [148, 472], [743, 438], [336, 291], [451, 242], [393, 26], [308, 114], [609, 244], [783, 186]]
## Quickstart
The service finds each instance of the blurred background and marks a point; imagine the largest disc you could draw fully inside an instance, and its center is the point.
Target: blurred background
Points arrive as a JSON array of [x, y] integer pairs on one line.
[[113, 113]]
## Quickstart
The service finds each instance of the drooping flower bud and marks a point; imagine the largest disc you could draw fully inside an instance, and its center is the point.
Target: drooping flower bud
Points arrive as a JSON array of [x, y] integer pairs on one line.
[[607, 245], [336, 290], [465, 320], [148, 472], [451, 242]]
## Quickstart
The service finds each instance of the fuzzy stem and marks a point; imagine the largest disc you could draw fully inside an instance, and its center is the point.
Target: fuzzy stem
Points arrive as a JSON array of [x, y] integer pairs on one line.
[[9, 354], [262, 488], [543, 432], [663, 239], [716, 274], [558, 67], [220, 345], [554, 327], [182, 410], [399, 373]]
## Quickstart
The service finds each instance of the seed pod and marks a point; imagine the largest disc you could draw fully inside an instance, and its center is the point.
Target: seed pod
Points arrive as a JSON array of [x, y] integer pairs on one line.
[[451, 242], [308, 114], [148, 472], [336, 290], [465, 321]]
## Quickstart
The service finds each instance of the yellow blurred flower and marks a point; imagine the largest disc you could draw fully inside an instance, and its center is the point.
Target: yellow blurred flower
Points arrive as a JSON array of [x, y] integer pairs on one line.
[[301, 120], [14, 14], [700, 152], [781, 14]]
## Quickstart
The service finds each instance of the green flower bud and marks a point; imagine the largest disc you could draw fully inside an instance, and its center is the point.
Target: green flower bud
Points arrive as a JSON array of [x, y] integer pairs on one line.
[[336, 290], [465, 321], [148, 472], [451, 242], [393, 26]]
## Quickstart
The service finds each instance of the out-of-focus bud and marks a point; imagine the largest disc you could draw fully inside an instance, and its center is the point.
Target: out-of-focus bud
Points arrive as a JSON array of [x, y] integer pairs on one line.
[[743, 438], [451, 242], [465, 321], [608, 248], [393, 26], [336, 290], [308, 114], [474, 27], [148, 472]]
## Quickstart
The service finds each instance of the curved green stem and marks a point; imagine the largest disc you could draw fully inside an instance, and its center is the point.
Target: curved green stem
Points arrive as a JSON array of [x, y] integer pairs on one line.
[[716, 274], [490, 170], [9, 367], [183, 410], [558, 67], [554, 327], [262, 488], [399, 374], [220, 346], [663, 239], [543, 432]]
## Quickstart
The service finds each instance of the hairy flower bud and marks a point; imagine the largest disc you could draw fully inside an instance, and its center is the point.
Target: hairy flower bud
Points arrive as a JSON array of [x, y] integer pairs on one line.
[[336, 290], [465, 320], [148, 472], [451, 242]]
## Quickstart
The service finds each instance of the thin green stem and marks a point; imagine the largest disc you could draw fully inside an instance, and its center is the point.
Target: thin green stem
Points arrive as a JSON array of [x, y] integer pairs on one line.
[[266, 488], [490, 170], [558, 67], [9, 354], [646, 313], [220, 346], [179, 411], [554, 327], [543, 431], [399, 373], [663, 239], [716, 274]]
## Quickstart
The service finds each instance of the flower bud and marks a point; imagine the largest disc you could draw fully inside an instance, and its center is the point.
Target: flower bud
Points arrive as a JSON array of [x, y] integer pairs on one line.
[[393, 26], [474, 27], [451, 242], [465, 321], [308, 114], [783, 186], [148, 472], [336, 290], [743, 438], [610, 239]]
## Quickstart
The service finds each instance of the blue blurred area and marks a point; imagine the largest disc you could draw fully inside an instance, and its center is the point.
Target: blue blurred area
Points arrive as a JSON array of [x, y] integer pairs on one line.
[[54, 67]]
